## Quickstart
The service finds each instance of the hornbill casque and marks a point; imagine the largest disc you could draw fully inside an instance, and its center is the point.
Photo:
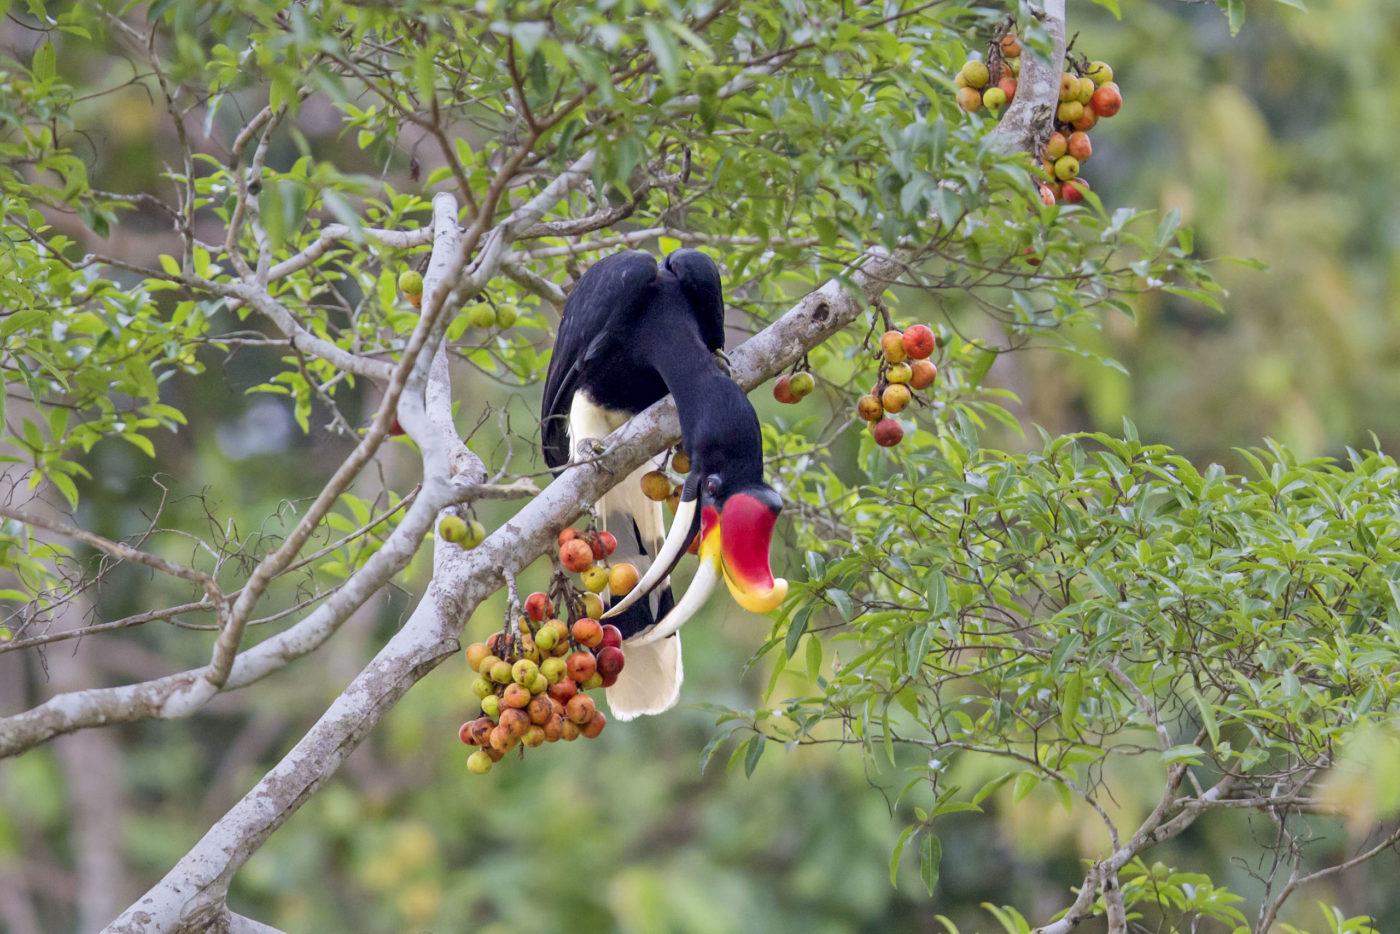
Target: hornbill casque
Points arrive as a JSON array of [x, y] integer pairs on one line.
[[633, 331]]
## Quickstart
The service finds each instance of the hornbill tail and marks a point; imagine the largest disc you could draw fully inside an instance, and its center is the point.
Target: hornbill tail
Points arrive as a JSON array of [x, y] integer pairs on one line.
[[651, 681]]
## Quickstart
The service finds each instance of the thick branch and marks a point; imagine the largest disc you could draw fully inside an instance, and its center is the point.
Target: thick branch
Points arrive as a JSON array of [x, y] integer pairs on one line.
[[1030, 119], [194, 889]]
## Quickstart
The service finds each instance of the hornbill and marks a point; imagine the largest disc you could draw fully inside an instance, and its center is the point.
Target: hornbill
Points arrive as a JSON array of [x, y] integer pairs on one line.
[[631, 333]]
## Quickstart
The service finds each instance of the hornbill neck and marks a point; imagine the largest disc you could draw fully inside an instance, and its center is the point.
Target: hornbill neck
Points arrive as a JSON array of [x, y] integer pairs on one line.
[[718, 426]]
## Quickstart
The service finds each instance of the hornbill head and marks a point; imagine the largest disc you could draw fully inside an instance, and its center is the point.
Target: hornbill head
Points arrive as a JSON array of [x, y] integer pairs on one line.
[[734, 514]]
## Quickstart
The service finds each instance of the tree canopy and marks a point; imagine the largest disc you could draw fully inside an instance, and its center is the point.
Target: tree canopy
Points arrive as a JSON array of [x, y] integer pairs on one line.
[[228, 438]]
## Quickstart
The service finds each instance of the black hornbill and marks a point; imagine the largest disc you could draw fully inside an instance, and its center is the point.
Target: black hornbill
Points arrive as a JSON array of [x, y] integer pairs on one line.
[[631, 333]]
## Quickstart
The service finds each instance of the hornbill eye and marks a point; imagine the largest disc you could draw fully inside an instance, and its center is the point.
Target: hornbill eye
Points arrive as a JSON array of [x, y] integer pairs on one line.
[[712, 483]]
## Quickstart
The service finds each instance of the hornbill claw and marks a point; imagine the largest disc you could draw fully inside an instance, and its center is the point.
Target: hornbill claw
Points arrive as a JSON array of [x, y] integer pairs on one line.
[[586, 449], [722, 361]]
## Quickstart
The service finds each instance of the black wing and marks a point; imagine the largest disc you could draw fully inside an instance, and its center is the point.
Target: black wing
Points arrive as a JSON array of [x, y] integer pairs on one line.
[[613, 290], [699, 280]]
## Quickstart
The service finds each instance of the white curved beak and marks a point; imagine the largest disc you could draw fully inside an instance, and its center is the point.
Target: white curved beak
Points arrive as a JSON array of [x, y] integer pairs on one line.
[[671, 549], [701, 586]]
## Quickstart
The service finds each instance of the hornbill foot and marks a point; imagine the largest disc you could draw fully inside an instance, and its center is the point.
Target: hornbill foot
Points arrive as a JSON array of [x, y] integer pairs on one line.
[[722, 361], [586, 449]]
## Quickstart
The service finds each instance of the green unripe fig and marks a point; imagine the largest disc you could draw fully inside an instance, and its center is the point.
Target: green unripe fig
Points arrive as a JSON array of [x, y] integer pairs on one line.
[[976, 74], [452, 528], [506, 315], [524, 671], [479, 762], [801, 383], [481, 315], [595, 578], [481, 687], [476, 534], [1099, 73], [553, 669], [491, 706], [1066, 167], [411, 282]]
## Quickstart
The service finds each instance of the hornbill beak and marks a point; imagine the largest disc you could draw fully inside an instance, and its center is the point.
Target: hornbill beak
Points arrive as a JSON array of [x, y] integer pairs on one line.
[[734, 541]]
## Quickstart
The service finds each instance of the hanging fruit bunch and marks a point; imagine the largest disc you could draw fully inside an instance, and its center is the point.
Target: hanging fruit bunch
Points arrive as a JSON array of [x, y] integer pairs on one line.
[[904, 368], [1087, 95], [588, 556], [792, 388], [532, 680], [462, 532], [661, 486]]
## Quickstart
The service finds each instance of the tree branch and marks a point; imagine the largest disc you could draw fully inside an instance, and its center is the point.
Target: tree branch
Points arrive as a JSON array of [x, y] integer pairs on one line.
[[1030, 119], [194, 889], [115, 549], [1269, 912]]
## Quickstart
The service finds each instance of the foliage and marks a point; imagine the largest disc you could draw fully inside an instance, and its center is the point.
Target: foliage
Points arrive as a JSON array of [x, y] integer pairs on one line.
[[986, 627], [1097, 599]]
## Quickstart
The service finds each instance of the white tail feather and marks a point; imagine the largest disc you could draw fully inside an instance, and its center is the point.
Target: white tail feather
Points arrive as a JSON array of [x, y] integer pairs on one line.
[[650, 681]]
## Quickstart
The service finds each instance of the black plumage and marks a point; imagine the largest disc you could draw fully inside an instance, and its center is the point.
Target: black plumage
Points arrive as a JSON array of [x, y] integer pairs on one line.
[[632, 332], [625, 314]]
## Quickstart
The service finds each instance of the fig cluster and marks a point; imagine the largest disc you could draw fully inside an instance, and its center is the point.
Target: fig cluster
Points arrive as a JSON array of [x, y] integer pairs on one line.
[[533, 683], [464, 533], [587, 556], [660, 486], [792, 388], [1087, 95], [991, 83], [481, 314], [904, 368]]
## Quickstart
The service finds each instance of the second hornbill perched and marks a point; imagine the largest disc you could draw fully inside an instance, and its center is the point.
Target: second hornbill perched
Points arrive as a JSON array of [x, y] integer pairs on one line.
[[633, 332]]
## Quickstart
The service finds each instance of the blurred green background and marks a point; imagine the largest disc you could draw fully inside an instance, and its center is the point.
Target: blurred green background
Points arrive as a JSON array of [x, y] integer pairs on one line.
[[1278, 146]]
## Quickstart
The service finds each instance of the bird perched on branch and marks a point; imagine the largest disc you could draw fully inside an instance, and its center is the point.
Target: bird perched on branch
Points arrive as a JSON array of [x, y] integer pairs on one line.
[[632, 332]]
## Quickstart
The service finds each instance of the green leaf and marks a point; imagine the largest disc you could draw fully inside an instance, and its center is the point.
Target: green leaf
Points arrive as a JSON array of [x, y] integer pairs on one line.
[[140, 441], [668, 54], [980, 365], [1025, 784], [756, 746], [1167, 229], [899, 851], [814, 658], [45, 62], [1074, 690], [990, 788], [1112, 7], [65, 485], [796, 628], [930, 855], [1235, 10], [1187, 752], [1207, 716]]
